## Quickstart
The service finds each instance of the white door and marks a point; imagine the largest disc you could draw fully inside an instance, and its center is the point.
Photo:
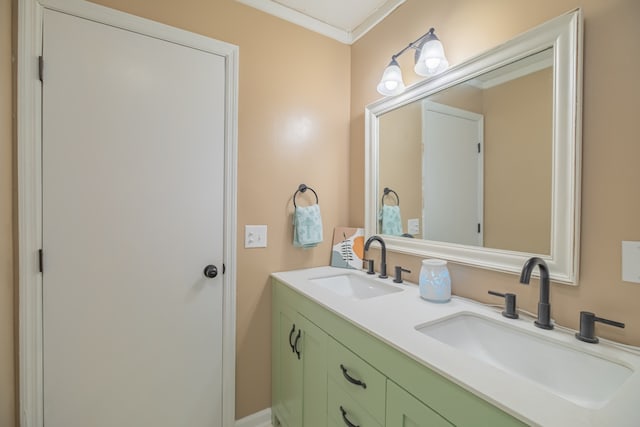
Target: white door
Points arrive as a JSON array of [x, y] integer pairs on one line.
[[452, 175], [133, 170]]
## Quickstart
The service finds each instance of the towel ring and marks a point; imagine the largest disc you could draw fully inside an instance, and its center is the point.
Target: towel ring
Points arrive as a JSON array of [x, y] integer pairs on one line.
[[301, 189], [386, 192]]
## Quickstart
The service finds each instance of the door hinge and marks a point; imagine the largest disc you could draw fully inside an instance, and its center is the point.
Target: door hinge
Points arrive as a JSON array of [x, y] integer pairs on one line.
[[40, 260], [41, 68], [478, 227], [478, 147]]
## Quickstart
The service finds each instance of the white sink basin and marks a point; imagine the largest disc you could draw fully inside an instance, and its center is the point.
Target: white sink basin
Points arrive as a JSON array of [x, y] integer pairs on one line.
[[354, 286], [585, 379]]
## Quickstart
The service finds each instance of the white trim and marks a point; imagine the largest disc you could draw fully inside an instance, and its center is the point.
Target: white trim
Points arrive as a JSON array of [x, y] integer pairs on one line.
[[346, 36], [564, 34], [509, 73], [29, 107], [259, 419]]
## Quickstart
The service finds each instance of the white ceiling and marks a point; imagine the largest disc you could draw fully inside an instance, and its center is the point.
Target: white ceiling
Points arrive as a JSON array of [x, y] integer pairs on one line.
[[343, 20]]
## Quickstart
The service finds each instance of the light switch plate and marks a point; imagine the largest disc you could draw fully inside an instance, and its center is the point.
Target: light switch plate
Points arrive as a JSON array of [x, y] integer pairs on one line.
[[413, 226], [631, 262], [255, 236]]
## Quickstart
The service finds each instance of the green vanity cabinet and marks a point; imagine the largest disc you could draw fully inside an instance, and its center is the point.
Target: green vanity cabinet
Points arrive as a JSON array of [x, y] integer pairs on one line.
[[404, 410], [313, 390], [299, 369]]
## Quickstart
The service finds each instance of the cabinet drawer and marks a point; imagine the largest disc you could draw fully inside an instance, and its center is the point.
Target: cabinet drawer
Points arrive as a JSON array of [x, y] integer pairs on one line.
[[360, 380], [344, 411]]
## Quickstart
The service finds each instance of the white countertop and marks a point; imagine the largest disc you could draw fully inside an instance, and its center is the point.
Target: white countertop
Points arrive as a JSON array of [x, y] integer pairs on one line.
[[393, 317]]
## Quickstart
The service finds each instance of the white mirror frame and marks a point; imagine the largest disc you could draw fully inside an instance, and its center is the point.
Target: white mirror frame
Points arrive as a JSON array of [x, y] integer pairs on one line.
[[564, 35]]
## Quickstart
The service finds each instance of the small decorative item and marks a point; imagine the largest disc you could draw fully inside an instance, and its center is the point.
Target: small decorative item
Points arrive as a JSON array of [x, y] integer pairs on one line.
[[348, 247], [435, 282]]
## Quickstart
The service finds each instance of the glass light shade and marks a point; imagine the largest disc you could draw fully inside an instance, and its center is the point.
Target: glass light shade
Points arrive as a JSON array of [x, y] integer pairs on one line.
[[432, 60], [391, 82]]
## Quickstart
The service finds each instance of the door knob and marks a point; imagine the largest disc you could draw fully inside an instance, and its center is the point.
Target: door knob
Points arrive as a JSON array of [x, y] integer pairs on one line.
[[210, 271]]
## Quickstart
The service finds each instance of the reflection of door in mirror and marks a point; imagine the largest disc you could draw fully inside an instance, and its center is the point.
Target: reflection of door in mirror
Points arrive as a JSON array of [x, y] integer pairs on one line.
[[452, 174]]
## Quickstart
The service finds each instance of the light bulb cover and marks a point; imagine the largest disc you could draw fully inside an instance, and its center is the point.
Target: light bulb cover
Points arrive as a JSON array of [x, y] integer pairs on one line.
[[431, 59], [391, 82]]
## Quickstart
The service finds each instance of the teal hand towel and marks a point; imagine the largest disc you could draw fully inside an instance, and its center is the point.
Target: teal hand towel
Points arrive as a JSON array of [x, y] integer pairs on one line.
[[307, 226], [391, 220]]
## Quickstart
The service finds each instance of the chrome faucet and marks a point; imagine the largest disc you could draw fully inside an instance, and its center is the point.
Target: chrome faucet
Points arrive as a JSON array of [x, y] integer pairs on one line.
[[383, 255], [544, 308]]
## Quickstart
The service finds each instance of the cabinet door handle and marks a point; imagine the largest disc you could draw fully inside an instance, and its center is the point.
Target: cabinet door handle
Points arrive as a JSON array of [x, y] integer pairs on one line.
[[351, 379], [345, 419], [295, 344], [293, 328]]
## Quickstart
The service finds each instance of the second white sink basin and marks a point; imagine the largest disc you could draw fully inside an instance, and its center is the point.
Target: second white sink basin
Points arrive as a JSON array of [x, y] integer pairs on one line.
[[583, 378], [354, 286]]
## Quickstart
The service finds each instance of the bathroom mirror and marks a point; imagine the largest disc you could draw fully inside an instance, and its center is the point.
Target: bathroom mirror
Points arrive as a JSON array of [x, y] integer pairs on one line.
[[485, 158]]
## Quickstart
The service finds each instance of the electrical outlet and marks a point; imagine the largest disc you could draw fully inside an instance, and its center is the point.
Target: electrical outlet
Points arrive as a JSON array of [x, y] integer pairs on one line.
[[255, 236], [631, 262], [413, 226]]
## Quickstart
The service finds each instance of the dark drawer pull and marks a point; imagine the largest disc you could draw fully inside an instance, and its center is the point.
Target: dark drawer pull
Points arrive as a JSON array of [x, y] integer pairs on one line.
[[351, 379], [293, 328], [295, 344], [345, 419]]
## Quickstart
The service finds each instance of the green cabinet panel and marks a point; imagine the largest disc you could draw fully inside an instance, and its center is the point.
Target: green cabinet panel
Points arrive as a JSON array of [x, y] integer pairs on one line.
[[314, 374], [299, 369], [404, 410], [287, 387]]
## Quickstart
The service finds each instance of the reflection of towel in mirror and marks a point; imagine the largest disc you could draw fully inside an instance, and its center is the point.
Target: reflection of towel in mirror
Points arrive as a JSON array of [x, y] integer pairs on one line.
[[391, 220], [307, 226]]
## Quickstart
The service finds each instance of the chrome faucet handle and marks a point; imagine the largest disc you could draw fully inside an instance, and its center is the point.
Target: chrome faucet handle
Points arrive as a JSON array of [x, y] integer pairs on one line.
[[510, 304], [587, 326]]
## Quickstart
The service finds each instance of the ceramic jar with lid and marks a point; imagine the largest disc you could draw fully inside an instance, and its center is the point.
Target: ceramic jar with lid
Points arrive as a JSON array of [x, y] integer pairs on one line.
[[435, 281]]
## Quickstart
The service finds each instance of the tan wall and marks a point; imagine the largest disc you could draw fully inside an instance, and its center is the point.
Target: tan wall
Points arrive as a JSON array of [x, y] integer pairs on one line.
[[7, 372], [517, 156], [610, 202], [293, 128], [462, 96]]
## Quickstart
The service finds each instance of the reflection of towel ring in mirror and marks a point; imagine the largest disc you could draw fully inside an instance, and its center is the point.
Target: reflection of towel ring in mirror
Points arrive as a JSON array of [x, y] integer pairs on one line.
[[386, 192], [301, 189]]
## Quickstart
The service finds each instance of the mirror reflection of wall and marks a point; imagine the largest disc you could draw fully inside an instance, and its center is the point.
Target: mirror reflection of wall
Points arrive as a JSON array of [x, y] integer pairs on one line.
[[516, 103], [401, 159]]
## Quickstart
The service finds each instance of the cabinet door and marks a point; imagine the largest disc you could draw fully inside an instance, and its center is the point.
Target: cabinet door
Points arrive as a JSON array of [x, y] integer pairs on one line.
[[287, 399], [404, 410], [313, 350], [299, 369]]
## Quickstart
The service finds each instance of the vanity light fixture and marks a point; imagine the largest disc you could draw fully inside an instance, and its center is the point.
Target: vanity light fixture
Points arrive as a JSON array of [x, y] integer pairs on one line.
[[429, 59]]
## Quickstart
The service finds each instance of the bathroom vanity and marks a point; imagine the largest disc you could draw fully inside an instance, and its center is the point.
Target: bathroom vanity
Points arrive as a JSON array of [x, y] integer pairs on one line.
[[352, 350]]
